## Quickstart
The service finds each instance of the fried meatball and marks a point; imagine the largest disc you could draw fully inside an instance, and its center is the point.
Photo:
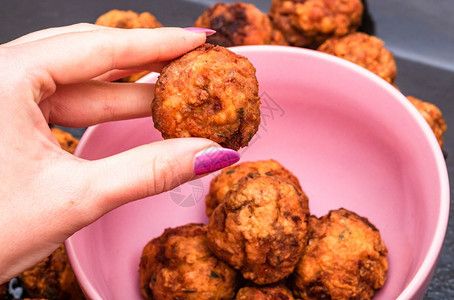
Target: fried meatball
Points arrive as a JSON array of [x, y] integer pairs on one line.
[[365, 50], [260, 228], [128, 19], [209, 92], [65, 139], [179, 265], [345, 258], [433, 117], [308, 23], [272, 292], [52, 278], [224, 182], [239, 24]]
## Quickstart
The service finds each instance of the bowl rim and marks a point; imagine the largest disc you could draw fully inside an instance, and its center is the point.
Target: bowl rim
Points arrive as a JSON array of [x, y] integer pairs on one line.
[[424, 273]]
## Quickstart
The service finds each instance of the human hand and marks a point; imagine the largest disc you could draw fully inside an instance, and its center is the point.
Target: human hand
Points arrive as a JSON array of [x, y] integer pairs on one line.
[[57, 76]]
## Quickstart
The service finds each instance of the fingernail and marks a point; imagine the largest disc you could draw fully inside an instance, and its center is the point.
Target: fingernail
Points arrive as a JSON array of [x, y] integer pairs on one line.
[[214, 158], [207, 31]]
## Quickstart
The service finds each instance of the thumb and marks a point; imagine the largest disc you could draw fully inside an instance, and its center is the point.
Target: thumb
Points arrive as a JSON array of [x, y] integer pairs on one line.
[[151, 169]]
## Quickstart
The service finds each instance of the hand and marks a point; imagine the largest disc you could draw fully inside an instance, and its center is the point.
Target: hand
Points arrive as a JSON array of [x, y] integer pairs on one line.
[[56, 76]]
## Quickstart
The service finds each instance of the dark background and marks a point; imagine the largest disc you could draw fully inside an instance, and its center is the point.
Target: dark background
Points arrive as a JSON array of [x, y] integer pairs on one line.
[[420, 33]]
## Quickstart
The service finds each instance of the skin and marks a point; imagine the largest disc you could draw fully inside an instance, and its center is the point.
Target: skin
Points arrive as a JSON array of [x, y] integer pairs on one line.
[[58, 76]]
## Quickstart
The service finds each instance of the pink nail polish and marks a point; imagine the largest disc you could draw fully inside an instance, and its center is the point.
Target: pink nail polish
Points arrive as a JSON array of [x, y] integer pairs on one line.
[[207, 31], [214, 158]]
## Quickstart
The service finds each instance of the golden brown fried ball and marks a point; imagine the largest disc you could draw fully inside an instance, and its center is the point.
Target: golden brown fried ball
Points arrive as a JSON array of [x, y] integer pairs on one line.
[[308, 23], [128, 19], [365, 50], [433, 117], [345, 258], [179, 265], [65, 139], [239, 24], [224, 181], [209, 92], [272, 292], [260, 228], [52, 278]]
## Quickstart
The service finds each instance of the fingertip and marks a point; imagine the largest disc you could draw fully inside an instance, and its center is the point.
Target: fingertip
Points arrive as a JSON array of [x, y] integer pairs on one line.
[[190, 34], [206, 31]]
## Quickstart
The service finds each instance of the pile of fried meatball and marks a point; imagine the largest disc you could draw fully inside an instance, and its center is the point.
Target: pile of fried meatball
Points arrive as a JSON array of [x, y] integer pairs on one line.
[[261, 242], [329, 26]]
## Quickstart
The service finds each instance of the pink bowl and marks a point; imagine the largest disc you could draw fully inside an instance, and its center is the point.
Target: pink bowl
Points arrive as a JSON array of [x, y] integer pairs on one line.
[[351, 138]]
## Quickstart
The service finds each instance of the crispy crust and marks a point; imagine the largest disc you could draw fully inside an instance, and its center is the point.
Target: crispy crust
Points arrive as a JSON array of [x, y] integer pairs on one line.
[[226, 180], [209, 92], [239, 24], [308, 23], [345, 258], [179, 265], [260, 228], [433, 117], [365, 50]]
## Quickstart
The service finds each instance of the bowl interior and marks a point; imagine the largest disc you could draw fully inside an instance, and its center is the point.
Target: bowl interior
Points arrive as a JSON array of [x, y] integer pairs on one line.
[[351, 139]]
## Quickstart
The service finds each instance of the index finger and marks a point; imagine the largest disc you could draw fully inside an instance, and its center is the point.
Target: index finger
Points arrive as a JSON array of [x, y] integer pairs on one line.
[[79, 56], [48, 32]]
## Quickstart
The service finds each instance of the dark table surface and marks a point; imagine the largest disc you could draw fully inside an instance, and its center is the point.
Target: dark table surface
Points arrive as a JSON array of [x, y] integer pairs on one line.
[[420, 33]]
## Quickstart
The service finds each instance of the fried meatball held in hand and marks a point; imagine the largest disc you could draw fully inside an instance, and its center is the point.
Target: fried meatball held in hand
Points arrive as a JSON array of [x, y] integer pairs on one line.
[[345, 259], [179, 265], [209, 92], [225, 181], [260, 228]]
